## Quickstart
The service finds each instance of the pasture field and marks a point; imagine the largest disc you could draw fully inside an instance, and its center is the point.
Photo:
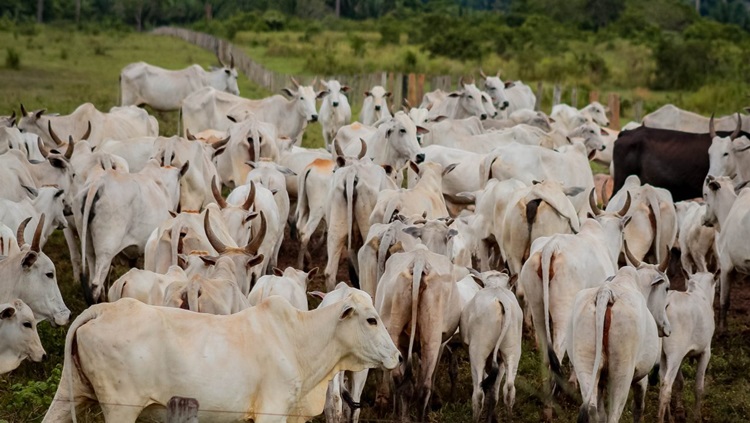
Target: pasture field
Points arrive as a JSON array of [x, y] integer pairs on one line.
[[61, 68]]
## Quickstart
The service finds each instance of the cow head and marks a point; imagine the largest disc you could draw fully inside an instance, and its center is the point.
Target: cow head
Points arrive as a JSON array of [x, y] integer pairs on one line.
[[495, 87], [378, 96], [225, 77], [469, 99], [721, 153], [401, 139], [489, 107], [612, 223], [654, 284], [332, 92], [33, 275], [50, 201], [591, 135], [19, 335], [719, 196], [597, 113], [305, 97], [362, 334]]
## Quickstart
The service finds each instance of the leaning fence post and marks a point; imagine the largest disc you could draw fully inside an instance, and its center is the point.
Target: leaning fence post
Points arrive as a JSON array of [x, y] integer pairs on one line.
[[638, 111], [539, 95], [574, 97], [182, 410], [593, 96], [614, 111], [556, 95]]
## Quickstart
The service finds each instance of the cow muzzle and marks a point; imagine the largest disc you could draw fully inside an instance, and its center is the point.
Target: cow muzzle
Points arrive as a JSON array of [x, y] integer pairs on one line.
[[504, 105], [483, 116], [335, 104], [377, 108], [61, 319], [314, 118], [420, 158], [665, 331]]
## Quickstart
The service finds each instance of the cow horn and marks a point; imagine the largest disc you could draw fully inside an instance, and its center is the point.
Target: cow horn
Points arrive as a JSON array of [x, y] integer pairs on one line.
[[605, 200], [70, 148], [481, 73], [665, 262], [499, 72], [13, 118], [363, 150], [711, 128], [250, 197], [337, 148], [253, 246], [52, 134], [23, 111], [37, 234], [42, 149], [221, 143], [188, 135], [592, 202], [294, 82], [218, 57], [314, 81], [626, 207], [212, 239], [737, 130], [217, 195], [461, 81], [634, 261], [87, 134], [231, 61], [21, 230]]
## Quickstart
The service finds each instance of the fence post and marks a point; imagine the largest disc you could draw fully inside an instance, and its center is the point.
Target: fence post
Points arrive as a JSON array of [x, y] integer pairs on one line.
[[593, 96], [182, 410], [412, 93], [574, 97], [556, 95], [539, 95], [614, 111], [420, 89], [638, 111]]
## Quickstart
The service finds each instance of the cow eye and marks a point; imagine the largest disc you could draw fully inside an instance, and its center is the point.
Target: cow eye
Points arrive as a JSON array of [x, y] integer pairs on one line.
[[471, 97], [372, 321], [27, 325], [402, 130], [50, 275], [726, 154], [302, 98]]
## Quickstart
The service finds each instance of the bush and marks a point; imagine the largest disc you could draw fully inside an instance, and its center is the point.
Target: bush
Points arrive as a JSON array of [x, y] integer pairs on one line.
[[358, 45], [390, 32], [12, 58], [682, 64], [31, 398]]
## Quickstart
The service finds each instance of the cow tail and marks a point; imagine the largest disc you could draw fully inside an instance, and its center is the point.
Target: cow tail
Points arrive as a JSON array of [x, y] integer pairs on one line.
[[193, 292], [301, 216], [603, 299], [349, 206], [175, 243], [115, 292], [531, 209], [391, 208], [653, 203], [119, 91], [88, 315], [494, 372], [87, 208], [418, 270], [548, 253], [385, 244]]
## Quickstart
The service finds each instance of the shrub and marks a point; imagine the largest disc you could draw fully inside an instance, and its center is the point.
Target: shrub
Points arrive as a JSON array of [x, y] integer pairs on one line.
[[358, 45], [64, 54], [12, 58]]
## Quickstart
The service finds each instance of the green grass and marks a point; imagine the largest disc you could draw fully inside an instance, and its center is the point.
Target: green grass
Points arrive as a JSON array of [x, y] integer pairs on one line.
[[60, 82]]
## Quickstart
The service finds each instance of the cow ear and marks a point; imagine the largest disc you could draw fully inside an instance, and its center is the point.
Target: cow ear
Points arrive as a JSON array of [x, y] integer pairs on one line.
[[347, 312], [250, 216], [509, 84], [182, 261], [451, 233], [367, 93], [285, 170], [317, 294], [388, 94], [624, 221], [59, 193], [414, 167], [448, 169], [388, 169], [227, 71], [172, 213], [232, 118], [713, 185], [439, 118], [340, 161], [573, 191], [254, 261], [413, 231], [288, 92], [29, 259], [321, 94], [7, 312], [311, 274], [278, 272], [31, 190], [454, 94], [422, 131], [57, 162], [219, 151], [209, 260], [592, 153], [603, 132], [39, 113], [345, 88], [184, 168]]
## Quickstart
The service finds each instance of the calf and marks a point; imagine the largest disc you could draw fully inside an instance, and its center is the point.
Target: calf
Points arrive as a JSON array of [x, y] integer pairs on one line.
[[696, 242], [145, 286], [289, 283], [375, 106], [335, 111]]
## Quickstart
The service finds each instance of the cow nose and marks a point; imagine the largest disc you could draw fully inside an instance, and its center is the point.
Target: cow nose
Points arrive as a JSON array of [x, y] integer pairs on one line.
[[400, 358], [494, 114], [335, 104], [377, 108], [505, 104], [420, 158], [44, 357], [483, 116], [314, 118]]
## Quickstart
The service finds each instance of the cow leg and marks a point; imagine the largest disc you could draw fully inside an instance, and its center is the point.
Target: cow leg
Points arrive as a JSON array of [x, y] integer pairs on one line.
[[509, 389], [724, 281], [358, 385], [101, 270], [333, 406], [477, 358], [618, 389], [639, 399], [120, 413], [306, 232], [335, 249], [700, 374], [671, 367], [75, 252]]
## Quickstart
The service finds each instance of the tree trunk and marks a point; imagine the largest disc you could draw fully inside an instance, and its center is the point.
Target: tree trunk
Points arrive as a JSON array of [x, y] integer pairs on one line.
[[78, 12], [39, 11], [338, 8], [209, 11], [698, 6]]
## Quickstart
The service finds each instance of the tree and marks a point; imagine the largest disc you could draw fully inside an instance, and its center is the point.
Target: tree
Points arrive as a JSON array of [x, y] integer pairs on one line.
[[39, 10]]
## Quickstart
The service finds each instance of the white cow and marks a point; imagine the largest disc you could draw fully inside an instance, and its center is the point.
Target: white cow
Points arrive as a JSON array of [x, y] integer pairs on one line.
[[163, 89], [19, 337], [335, 111], [46, 201], [727, 156], [30, 276], [492, 324], [729, 213], [263, 384], [249, 140], [691, 315], [672, 117], [569, 117], [465, 102], [696, 241], [508, 96], [216, 294], [289, 283], [375, 106], [393, 144], [626, 317], [144, 285], [118, 123]]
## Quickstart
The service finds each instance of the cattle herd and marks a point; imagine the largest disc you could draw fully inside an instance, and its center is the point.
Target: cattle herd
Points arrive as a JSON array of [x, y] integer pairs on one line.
[[500, 226]]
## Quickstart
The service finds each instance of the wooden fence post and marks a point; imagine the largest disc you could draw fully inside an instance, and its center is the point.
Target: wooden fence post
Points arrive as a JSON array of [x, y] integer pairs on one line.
[[638, 114], [556, 95], [593, 96], [539, 95], [412, 93], [420, 89], [614, 111], [574, 97], [182, 410]]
